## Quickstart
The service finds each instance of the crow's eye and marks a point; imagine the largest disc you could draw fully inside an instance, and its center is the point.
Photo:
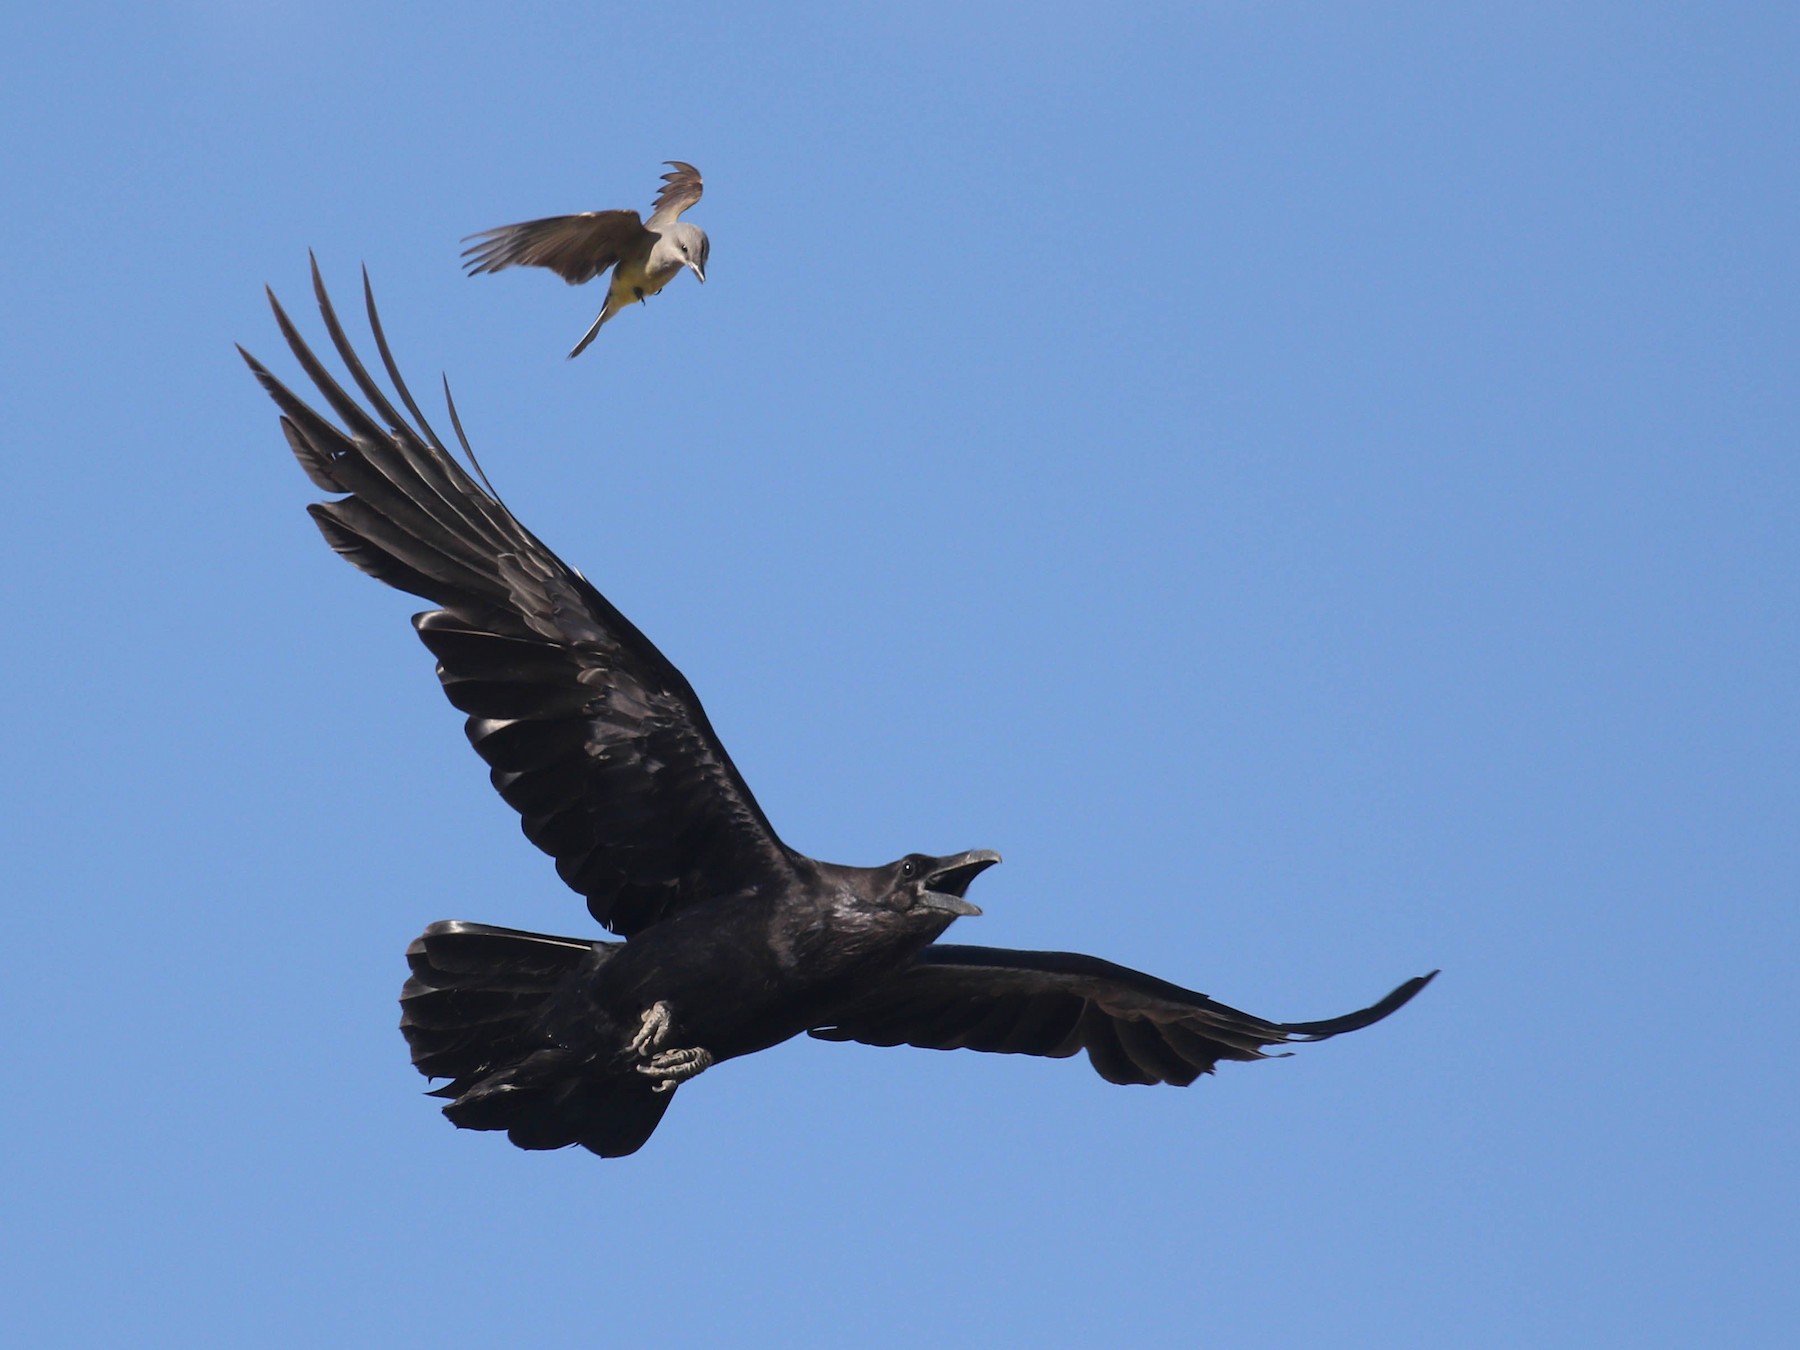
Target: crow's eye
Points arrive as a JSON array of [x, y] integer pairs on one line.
[[908, 870]]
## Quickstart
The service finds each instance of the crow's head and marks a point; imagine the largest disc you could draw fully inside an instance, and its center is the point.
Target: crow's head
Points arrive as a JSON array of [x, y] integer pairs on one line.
[[921, 883]]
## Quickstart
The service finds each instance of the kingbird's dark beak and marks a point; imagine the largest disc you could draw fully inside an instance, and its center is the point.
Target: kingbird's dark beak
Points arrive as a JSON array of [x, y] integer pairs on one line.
[[944, 887], [699, 271]]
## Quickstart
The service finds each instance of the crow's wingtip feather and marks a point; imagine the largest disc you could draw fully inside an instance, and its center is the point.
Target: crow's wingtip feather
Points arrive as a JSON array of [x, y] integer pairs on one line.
[[1362, 1017]]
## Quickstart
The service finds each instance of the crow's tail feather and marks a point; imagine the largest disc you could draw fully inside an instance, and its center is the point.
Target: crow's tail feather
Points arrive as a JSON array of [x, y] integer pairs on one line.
[[478, 1010]]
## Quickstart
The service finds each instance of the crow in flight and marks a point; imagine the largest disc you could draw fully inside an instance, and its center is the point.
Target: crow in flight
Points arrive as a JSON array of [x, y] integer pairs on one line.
[[645, 255], [734, 942]]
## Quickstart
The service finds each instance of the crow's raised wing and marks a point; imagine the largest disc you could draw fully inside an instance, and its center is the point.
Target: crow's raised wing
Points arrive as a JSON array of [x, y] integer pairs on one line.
[[1134, 1027], [577, 248], [592, 735]]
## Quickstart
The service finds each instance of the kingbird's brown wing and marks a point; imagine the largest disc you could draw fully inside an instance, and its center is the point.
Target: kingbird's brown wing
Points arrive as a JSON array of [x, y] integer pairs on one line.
[[680, 190], [576, 248]]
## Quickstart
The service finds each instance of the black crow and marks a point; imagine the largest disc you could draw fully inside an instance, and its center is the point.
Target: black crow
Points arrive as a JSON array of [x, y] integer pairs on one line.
[[734, 942]]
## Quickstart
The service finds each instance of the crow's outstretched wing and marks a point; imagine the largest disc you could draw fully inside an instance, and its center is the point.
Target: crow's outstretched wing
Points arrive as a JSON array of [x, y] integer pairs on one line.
[[1134, 1027], [592, 735], [577, 248]]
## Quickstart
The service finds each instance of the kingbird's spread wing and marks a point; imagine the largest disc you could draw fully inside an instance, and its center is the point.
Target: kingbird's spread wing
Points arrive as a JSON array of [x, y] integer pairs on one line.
[[593, 736], [576, 248], [1134, 1027], [680, 190]]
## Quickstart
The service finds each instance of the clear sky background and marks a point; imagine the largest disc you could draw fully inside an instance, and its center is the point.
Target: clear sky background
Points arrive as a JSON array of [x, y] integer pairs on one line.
[[1313, 484]]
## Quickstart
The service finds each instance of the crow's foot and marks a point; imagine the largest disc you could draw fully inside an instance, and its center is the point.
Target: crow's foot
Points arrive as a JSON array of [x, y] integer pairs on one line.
[[673, 1067], [658, 1018]]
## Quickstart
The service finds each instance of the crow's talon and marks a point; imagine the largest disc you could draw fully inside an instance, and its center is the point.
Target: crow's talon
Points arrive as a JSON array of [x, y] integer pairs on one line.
[[673, 1067], [658, 1018]]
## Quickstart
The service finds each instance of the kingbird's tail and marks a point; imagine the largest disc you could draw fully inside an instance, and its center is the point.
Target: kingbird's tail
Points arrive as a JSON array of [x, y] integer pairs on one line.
[[593, 332]]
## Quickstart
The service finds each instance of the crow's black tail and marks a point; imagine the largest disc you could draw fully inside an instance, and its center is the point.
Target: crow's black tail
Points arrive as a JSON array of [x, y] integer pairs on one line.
[[481, 1008]]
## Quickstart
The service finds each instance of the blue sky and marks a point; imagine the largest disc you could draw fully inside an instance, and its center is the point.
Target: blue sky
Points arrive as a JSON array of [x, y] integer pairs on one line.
[[1313, 485]]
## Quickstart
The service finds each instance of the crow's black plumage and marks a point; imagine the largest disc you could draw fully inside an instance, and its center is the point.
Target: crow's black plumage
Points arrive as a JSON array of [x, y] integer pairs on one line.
[[734, 942]]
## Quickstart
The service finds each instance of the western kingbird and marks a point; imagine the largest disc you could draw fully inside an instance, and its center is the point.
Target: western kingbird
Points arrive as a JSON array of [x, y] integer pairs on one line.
[[645, 255]]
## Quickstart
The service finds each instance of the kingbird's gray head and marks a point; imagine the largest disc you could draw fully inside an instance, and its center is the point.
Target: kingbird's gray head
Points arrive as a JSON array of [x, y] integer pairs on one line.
[[690, 247]]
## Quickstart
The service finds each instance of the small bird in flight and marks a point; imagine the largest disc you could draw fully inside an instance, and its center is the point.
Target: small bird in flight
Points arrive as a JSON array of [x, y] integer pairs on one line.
[[645, 255], [735, 942]]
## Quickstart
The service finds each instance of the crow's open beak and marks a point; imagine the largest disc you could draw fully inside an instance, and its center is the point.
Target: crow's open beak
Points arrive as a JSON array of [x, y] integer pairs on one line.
[[945, 886]]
